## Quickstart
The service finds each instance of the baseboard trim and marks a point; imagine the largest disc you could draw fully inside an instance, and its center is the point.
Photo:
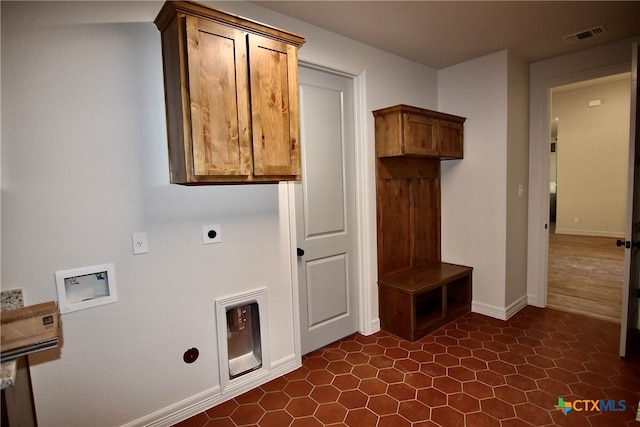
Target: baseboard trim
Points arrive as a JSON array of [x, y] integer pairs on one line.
[[534, 301], [374, 327], [502, 313], [516, 306], [209, 398], [591, 233], [180, 411]]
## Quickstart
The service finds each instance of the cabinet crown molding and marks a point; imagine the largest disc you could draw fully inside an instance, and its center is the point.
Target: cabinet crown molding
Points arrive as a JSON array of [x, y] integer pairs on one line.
[[403, 108], [172, 8]]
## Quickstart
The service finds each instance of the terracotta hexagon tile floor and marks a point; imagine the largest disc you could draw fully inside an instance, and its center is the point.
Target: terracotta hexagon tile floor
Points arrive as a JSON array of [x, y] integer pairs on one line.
[[474, 372]]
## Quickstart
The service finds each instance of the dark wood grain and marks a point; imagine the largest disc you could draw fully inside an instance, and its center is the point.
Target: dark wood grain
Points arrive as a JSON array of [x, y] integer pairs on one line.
[[417, 292], [232, 97]]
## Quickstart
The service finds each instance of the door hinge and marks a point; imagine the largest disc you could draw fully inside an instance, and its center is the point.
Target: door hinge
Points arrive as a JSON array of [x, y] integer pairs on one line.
[[627, 244], [624, 243]]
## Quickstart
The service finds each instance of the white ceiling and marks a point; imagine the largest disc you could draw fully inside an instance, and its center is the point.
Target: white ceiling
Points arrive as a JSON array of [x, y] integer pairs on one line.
[[444, 33]]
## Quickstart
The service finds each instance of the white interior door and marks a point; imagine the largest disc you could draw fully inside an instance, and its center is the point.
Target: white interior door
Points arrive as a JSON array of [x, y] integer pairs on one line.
[[631, 287], [325, 210]]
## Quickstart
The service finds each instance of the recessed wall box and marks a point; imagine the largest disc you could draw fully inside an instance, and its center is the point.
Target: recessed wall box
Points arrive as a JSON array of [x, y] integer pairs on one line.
[[243, 344], [86, 287]]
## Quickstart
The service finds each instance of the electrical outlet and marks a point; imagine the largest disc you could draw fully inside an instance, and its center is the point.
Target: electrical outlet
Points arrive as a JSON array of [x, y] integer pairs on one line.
[[576, 220], [211, 234], [140, 245]]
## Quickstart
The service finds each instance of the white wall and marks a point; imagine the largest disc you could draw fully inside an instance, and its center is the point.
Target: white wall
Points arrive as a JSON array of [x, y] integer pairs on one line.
[[474, 210], [592, 158], [517, 183], [484, 216], [84, 164]]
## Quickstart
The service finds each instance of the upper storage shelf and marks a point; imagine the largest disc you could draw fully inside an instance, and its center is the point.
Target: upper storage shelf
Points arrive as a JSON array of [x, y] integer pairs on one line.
[[231, 94], [403, 130]]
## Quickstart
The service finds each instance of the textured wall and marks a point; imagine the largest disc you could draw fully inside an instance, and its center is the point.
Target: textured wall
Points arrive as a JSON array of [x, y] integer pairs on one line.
[[84, 165]]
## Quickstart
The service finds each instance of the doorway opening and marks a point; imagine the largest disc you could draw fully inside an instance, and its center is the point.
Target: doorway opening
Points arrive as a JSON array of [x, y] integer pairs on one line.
[[588, 157]]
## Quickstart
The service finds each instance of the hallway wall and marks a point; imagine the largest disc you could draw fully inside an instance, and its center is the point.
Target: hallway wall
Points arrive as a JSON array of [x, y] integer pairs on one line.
[[592, 156]]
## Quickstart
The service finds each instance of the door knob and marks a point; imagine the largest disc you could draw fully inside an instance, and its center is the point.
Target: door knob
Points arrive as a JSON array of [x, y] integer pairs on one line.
[[300, 252]]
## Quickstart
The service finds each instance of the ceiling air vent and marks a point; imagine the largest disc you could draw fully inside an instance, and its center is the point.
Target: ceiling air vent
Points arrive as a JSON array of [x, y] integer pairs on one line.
[[585, 34]]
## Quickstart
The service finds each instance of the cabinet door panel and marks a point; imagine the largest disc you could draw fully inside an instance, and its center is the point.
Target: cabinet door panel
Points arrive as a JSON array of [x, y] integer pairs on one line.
[[420, 135], [450, 139], [219, 99], [273, 68]]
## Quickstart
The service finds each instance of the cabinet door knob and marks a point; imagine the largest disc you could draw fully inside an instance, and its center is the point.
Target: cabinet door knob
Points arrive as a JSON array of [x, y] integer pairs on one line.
[[300, 252]]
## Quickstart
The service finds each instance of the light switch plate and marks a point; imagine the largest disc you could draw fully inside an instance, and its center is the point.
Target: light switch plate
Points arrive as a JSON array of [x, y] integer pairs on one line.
[[211, 234]]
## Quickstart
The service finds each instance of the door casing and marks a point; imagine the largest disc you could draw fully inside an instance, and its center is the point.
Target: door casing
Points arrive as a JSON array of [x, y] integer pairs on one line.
[[539, 130], [630, 320]]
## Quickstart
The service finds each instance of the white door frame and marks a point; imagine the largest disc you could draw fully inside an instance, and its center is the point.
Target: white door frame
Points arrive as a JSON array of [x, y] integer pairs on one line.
[[539, 133], [365, 214]]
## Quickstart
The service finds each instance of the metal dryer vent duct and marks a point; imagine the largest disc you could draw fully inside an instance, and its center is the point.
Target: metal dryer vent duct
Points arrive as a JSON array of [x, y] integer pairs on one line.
[[596, 31]]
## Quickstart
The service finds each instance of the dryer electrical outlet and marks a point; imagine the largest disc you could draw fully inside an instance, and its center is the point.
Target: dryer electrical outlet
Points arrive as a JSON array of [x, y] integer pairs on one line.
[[211, 234]]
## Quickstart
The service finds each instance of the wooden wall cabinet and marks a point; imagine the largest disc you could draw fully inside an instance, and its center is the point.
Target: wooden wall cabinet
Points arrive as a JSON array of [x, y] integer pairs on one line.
[[417, 292], [231, 94], [403, 130]]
